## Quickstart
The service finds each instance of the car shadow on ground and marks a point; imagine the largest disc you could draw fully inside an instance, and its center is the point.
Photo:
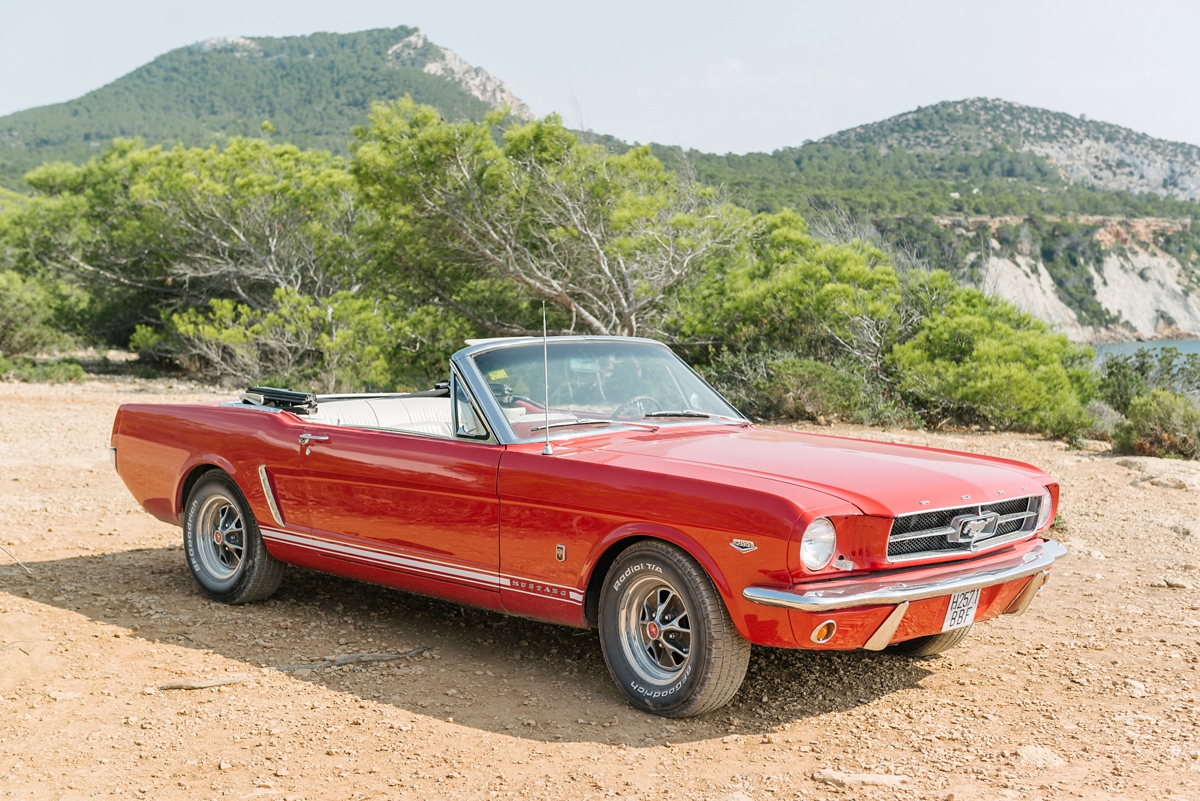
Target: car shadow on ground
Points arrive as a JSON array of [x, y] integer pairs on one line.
[[484, 669]]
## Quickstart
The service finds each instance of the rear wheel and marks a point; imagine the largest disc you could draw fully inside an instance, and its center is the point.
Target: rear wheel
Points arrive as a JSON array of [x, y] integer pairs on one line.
[[667, 638], [931, 644], [224, 548]]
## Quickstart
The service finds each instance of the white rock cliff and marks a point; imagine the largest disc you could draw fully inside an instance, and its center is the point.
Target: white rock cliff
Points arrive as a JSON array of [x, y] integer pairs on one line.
[[434, 60]]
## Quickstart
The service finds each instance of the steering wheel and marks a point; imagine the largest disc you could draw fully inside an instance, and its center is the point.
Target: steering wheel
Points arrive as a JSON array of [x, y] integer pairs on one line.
[[641, 402]]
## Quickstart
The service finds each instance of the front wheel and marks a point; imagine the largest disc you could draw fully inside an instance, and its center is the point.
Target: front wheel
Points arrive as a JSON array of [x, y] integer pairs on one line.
[[667, 638], [930, 644], [224, 548]]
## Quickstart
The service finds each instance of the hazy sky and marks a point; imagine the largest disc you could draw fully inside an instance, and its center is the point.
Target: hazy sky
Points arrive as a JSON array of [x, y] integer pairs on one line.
[[723, 77]]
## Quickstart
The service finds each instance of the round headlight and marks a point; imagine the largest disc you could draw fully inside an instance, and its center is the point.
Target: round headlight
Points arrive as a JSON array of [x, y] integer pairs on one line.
[[1044, 506], [818, 544]]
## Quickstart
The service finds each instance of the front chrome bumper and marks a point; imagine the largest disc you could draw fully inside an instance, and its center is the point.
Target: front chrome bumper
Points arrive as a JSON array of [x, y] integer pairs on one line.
[[881, 591]]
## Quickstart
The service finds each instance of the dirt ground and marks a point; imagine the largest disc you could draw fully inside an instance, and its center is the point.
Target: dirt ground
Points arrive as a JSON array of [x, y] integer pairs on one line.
[[1092, 693]]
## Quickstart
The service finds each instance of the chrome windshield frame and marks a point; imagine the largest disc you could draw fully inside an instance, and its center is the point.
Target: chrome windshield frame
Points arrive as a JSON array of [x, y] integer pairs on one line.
[[475, 383]]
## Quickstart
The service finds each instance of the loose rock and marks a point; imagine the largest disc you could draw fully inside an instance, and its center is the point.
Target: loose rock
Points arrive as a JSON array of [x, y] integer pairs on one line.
[[1037, 756], [839, 779]]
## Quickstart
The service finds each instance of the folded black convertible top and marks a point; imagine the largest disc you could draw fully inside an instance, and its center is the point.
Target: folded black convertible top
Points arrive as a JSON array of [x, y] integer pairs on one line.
[[306, 402], [296, 402]]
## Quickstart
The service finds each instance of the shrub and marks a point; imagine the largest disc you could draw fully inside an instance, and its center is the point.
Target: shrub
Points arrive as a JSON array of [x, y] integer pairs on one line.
[[1104, 419], [778, 385], [972, 366], [1161, 423], [48, 373], [344, 342], [1069, 422], [26, 316], [1125, 376]]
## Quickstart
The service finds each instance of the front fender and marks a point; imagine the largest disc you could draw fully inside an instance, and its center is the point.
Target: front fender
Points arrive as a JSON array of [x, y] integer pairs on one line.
[[756, 623]]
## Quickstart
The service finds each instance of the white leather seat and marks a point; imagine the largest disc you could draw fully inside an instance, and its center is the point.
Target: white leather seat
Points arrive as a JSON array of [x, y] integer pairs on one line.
[[349, 412], [420, 415]]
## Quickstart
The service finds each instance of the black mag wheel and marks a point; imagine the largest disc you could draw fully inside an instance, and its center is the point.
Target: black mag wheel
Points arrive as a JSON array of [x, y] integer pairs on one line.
[[667, 638], [223, 546]]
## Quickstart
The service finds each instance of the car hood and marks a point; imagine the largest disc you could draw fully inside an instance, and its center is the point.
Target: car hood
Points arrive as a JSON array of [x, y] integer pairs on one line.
[[880, 478]]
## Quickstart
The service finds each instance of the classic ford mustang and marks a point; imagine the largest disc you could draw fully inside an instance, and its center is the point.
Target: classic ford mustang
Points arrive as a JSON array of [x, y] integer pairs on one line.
[[595, 481]]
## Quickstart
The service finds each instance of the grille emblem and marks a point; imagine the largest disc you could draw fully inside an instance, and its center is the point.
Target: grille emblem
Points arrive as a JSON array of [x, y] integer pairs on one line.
[[968, 528]]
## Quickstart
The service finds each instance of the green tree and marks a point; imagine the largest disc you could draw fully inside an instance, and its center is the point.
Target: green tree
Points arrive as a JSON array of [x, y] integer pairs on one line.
[[982, 361], [488, 219]]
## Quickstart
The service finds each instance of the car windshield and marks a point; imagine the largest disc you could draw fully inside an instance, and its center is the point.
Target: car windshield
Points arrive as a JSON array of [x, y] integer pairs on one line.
[[595, 383]]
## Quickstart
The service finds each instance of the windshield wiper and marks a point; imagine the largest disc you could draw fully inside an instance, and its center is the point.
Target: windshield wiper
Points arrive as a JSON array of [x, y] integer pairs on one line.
[[679, 413], [574, 423]]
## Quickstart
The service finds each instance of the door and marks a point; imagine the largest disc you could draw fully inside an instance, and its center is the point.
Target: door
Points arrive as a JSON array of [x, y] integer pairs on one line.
[[419, 504]]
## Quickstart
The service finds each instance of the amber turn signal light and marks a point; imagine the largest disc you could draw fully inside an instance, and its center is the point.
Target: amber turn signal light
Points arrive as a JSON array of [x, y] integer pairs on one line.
[[824, 632]]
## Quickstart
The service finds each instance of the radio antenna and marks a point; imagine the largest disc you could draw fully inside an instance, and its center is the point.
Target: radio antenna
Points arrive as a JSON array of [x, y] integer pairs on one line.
[[546, 451]]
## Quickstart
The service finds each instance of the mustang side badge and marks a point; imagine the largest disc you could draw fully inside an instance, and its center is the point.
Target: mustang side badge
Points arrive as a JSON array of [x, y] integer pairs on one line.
[[745, 546]]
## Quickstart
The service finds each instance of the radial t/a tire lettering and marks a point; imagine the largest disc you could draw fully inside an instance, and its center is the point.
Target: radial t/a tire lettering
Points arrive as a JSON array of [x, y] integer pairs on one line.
[[666, 635], [223, 545]]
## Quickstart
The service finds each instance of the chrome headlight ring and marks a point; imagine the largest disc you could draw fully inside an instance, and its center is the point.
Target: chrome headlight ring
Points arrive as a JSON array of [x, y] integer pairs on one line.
[[818, 545]]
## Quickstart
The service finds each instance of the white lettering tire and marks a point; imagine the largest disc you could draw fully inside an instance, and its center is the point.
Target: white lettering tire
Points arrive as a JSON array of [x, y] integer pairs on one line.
[[224, 548], [667, 637]]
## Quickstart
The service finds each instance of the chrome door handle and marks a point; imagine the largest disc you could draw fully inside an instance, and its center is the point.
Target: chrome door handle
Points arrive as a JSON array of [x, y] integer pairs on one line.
[[307, 438]]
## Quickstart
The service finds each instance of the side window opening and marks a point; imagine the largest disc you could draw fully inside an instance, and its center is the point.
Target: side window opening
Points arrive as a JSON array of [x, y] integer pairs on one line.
[[467, 422]]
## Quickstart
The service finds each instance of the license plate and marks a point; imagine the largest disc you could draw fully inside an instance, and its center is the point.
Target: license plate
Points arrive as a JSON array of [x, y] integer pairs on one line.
[[961, 611]]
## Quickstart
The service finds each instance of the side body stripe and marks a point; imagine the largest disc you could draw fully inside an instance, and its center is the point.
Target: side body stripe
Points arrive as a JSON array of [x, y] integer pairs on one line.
[[424, 565]]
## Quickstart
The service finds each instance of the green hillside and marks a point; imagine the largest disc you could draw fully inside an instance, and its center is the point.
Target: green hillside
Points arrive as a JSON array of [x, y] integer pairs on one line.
[[314, 90], [972, 157]]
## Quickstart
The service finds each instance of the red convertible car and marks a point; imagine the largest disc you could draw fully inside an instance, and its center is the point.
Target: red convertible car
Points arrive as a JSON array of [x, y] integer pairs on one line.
[[599, 482]]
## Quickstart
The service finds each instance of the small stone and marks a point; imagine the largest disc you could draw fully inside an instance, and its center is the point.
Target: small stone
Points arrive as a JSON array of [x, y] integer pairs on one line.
[[1038, 756], [1169, 482], [1181, 530], [282, 771], [1178, 584], [1080, 680], [224, 766], [736, 795], [839, 779], [1136, 688], [451, 692], [1162, 582]]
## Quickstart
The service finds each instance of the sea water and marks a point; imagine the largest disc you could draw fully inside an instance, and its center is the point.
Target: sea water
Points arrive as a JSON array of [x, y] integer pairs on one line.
[[1182, 345]]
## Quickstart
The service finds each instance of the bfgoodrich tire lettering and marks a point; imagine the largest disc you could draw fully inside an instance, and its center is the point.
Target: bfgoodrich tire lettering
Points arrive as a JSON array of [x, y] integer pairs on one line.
[[667, 638], [224, 547]]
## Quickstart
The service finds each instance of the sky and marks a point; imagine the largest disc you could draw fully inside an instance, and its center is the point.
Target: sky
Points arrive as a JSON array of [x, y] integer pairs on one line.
[[719, 77]]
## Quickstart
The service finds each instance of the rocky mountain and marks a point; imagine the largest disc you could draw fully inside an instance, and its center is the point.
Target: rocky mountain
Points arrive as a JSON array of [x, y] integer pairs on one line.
[[313, 89], [1084, 151]]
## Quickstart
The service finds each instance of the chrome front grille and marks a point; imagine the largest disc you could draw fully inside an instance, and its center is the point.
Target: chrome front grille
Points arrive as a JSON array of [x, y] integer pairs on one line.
[[925, 534]]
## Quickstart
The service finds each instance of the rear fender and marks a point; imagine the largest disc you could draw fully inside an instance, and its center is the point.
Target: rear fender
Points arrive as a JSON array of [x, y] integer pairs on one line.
[[202, 462]]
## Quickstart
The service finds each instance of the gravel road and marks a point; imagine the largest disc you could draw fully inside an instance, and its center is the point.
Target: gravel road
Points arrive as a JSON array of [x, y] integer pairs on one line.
[[1091, 694]]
